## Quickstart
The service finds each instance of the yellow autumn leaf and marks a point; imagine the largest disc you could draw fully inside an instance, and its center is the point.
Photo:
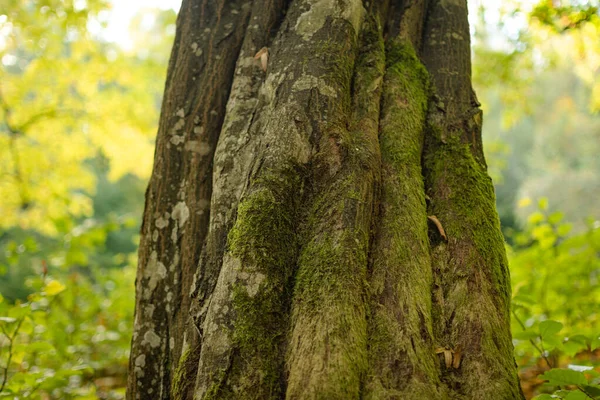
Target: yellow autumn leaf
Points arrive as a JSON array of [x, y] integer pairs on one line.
[[54, 287], [524, 202]]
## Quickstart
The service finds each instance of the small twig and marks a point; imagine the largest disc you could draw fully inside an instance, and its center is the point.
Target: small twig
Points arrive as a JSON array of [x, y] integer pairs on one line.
[[11, 339], [584, 392], [541, 351]]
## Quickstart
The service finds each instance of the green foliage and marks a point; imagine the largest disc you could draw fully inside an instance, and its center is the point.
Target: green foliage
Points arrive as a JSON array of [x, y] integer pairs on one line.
[[562, 17], [536, 71], [69, 339], [66, 96], [556, 326], [582, 385]]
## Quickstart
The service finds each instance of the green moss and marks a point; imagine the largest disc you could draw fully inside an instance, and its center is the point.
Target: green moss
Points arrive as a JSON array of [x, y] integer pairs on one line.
[[472, 280], [328, 343], [217, 389], [470, 208], [184, 376], [264, 238], [401, 358], [264, 234], [407, 96]]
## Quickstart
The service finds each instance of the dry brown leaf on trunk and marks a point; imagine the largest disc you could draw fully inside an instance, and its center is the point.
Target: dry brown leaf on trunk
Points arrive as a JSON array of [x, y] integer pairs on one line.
[[438, 224], [447, 355], [457, 358], [263, 55]]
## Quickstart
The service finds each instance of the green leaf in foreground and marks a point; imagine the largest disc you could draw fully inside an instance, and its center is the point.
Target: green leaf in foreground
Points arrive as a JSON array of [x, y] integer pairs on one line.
[[544, 397], [560, 377], [549, 328]]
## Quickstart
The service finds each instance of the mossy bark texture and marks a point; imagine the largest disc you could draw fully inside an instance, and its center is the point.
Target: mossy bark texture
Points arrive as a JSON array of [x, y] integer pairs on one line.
[[320, 223]]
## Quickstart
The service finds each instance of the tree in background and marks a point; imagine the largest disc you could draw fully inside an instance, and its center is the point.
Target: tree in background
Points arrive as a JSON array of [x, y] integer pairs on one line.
[[319, 221]]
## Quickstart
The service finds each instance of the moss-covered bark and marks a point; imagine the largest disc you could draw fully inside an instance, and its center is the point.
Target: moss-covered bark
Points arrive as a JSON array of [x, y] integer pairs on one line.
[[402, 358], [247, 318], [348, 144], [471, 278]]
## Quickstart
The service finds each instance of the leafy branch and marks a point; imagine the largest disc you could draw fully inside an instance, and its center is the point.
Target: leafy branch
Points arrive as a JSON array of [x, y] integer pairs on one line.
[[11, 340], [540, 350]]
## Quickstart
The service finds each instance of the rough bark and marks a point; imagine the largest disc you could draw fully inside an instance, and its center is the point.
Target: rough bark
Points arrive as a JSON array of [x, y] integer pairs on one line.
[[319, 222]]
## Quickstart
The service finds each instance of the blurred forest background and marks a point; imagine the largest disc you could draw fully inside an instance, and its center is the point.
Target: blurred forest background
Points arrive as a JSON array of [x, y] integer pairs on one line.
[[80, 92]]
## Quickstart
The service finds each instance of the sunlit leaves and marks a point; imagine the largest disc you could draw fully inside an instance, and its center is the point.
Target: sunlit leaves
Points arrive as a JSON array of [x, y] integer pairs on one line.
[[67, 334], [555, 297], [560, 377], [566, 17], [67, 96], [575, 344], [53, 288]]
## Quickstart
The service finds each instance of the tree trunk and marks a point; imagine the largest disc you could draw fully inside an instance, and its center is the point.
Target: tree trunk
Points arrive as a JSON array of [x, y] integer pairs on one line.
[[320, 223]]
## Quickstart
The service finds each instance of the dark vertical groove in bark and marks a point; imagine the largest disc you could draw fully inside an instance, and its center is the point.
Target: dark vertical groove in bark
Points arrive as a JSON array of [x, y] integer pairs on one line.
[[471, 281], [177, 200]]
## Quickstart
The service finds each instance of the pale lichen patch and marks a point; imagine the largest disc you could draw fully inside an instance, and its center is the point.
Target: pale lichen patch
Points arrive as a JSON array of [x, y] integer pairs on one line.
[[308, 82], [174, 264], [179, 125], [268, 89], [197, 51], [198, 147], [181, 213], [153, 271], [312, 20], [149, 311], [252, 281], [161, 222], [176, 139], [140, 362], [161, 270], [151, 338]]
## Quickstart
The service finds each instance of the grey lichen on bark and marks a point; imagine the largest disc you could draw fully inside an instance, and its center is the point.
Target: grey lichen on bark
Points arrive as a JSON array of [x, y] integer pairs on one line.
[[286, 251]]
